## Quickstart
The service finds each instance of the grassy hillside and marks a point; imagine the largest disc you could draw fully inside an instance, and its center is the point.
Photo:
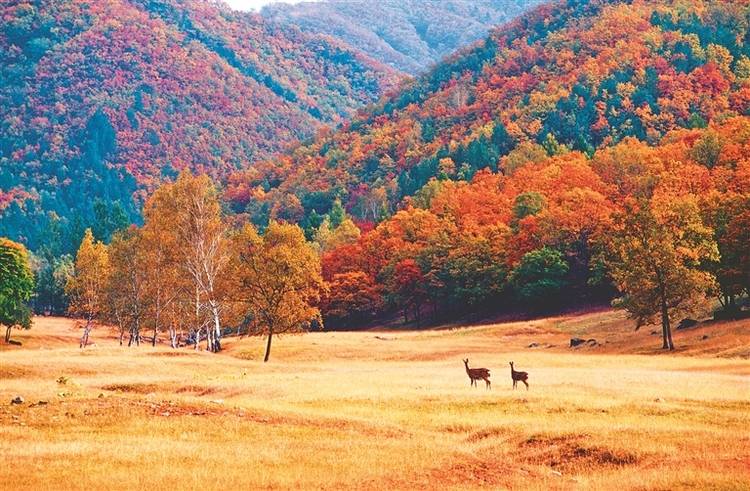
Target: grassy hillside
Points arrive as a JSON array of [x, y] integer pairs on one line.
[[103, 100], [374, 409]]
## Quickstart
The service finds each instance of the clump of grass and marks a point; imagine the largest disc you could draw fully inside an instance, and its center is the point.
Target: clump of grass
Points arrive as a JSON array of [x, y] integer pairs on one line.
[[572, 452], [137, 388]]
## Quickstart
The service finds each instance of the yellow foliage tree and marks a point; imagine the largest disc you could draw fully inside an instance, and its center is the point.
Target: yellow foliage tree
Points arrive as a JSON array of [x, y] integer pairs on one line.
[[187, 218], [87, 287], [168, 285], [329, 238], [655, 252], [127, 299], [278, 278]]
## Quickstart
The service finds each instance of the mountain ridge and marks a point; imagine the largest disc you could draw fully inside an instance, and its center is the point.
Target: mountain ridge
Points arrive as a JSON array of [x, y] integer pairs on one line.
[[580, 74], [409, 35], [105, 100]]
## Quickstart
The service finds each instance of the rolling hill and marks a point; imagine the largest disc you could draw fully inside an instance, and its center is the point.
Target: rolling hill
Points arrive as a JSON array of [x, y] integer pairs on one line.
[[579, 74], [410, 35], [101, 100]]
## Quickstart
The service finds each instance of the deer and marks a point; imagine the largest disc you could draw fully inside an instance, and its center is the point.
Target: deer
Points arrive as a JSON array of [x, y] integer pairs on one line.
[[516, 376], [476, 374]]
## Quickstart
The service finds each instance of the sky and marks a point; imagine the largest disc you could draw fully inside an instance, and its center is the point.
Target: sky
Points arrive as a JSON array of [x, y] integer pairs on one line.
[[253, 4]]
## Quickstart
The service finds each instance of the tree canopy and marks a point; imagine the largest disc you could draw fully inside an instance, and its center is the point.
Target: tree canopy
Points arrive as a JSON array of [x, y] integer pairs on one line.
[[16, 286], [278, 278]]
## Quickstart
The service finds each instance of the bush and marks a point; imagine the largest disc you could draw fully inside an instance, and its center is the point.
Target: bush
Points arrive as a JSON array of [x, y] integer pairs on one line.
[[540, 278]]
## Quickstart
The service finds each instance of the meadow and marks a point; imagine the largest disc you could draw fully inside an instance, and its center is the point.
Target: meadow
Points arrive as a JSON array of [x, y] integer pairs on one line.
[[381, 409]]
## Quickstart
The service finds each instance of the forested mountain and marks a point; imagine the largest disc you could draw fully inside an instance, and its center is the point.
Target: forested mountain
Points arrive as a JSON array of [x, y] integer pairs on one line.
[[521, 172], [103, 99], [410, 35], [581, 74]]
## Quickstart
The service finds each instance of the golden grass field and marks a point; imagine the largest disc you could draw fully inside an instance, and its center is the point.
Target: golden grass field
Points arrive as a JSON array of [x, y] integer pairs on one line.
[[381, 410]]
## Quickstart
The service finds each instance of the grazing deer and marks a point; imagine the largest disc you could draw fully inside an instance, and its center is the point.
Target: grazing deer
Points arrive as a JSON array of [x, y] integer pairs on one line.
[[477, 374], [516, 376]]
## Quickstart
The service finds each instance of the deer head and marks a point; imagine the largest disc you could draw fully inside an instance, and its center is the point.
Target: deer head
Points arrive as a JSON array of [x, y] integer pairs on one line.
[[466, 362], [511, 364]]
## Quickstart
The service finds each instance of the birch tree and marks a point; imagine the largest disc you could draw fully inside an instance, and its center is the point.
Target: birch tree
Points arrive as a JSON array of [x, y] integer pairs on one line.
[[87, 287], [190, 226], [167, 283], [127, 299]]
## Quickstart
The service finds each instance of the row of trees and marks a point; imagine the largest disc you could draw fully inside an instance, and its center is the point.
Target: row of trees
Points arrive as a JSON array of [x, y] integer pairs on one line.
[[188, 275], [666, 226]]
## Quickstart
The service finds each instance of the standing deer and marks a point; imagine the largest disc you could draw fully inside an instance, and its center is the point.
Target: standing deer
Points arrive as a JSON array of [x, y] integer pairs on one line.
[[477, 374], [516, 376]]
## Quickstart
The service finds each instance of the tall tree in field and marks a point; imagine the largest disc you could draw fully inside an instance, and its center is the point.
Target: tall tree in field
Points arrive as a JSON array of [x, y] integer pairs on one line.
[[278, 278], [87, 287], [201, 235], [126, 292], [16, 286], [654, 254], [167, 283], [192, 226]]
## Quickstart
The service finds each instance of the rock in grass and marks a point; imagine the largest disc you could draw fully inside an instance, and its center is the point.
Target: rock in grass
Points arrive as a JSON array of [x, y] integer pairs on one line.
[[17, 400], [580, 341], [687, 324], [576, 342]]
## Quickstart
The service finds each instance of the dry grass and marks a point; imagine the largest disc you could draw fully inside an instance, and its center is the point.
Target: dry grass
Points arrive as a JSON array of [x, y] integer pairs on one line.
[[381, 410]]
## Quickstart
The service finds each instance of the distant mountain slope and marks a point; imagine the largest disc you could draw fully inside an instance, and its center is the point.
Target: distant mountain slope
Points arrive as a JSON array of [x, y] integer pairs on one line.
[[101, 99], [409, 35], [580, 73]]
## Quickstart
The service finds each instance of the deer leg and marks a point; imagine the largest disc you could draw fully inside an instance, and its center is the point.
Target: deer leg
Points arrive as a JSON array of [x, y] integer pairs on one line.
[[526, 383], [489, 384], [514, 384]]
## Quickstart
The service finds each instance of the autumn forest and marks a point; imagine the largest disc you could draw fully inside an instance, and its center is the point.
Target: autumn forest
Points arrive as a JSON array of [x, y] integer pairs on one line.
[[549, 198], [560, 162]]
